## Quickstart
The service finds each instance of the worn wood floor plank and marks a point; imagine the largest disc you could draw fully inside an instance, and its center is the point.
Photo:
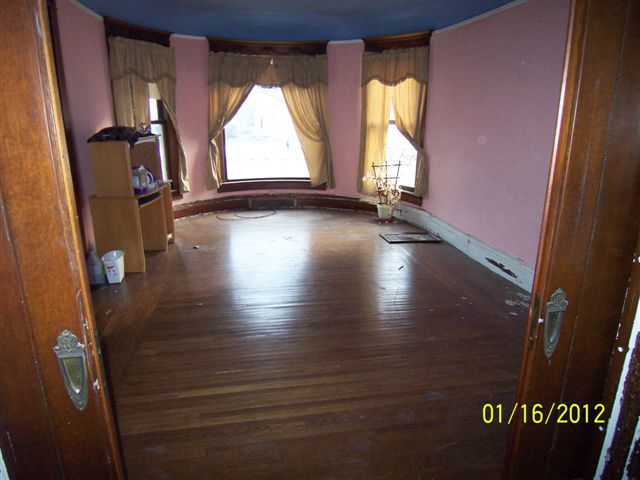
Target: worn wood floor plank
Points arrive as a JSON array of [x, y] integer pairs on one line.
[[301, 345]]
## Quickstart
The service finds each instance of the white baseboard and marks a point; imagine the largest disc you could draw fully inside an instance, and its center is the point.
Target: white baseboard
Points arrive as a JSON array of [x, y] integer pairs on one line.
[[511, 268]]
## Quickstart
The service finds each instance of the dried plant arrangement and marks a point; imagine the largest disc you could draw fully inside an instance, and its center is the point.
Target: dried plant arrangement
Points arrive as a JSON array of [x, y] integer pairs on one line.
[[385, 177]]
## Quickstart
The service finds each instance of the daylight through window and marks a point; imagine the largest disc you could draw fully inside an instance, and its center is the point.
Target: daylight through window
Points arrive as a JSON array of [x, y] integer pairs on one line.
[[261, 142], [158, 128], [162, 126], [399, 150]]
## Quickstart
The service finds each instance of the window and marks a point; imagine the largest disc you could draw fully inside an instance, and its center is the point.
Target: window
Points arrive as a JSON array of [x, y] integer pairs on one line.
[[394, 80], [254, 144], [162, 126], [260, 142], [399, 150]]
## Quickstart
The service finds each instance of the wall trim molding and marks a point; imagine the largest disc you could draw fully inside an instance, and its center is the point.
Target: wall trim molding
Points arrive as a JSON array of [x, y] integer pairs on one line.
[[355, 41], [188, 37], [272, 201], [505, 265], [117, 28], [477, 18], [86, 9], [268, 184], [267, 47], [380, 43]]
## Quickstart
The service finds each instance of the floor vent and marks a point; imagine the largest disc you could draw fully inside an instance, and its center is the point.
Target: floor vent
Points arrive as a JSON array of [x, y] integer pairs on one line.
[[261, 203]]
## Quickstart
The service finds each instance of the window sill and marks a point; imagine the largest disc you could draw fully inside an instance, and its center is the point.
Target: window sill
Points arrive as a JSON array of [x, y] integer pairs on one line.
[[410, 197], [270, 184]]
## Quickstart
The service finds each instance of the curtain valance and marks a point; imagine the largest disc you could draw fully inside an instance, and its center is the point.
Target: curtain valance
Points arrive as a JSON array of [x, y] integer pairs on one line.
[[136, 67], [149, 61], [392, 67], [237, 70]]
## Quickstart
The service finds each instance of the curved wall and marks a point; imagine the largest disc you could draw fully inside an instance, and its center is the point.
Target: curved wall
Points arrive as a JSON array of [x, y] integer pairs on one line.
[[493, 96], [90, 108]]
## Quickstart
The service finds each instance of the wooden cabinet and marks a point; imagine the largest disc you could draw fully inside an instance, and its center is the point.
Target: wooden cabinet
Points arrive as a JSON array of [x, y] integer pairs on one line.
[[122, 220]]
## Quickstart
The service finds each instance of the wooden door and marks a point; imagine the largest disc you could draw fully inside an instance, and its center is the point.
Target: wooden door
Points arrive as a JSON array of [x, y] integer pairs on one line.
[[43, 283], [589, 233]]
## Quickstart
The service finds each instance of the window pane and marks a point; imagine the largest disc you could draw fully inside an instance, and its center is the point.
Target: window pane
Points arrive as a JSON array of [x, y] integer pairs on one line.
[[158, 129], [400, 150], [260, 141], [153, 109]]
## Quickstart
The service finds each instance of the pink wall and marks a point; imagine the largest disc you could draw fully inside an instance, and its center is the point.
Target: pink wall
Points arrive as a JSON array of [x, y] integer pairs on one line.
[[86, 74], [493, 98], [192, 109], [345, 75]]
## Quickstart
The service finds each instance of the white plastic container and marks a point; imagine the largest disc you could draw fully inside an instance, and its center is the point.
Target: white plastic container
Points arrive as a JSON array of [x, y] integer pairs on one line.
[[114, 265]]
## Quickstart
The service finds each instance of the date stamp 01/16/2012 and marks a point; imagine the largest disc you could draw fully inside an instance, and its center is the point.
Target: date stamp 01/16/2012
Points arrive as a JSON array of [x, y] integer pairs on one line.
[[541, 414]]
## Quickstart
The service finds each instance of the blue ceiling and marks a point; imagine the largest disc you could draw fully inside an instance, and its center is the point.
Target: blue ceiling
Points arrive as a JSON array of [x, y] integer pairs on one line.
[[293, 19]]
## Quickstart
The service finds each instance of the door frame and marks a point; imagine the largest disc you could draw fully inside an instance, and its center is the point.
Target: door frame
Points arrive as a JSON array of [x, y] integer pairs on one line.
[[43, 434], [587, 243]]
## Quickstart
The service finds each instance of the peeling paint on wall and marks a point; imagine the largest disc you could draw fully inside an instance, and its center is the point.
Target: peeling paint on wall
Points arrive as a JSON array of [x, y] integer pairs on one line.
[[501, 267], [4, 475]]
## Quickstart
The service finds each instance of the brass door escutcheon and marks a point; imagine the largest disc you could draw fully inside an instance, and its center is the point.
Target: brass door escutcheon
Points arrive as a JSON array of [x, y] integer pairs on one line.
[[70, 353], [556, 308]]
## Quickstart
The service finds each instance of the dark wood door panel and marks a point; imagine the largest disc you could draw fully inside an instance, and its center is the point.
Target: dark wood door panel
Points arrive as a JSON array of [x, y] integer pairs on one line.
[[41, 243], [24, 424], [590, 229]]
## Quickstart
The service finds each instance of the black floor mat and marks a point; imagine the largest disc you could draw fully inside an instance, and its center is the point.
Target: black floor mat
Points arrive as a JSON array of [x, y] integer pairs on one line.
[[411, 237]]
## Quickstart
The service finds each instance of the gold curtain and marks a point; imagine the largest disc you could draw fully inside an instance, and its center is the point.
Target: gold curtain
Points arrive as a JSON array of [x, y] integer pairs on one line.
[[308, 109], [131, 100], [303, 79], [376, 101], [230, 82], [224, 103], [409, 103], [397, 77], [145, 62]]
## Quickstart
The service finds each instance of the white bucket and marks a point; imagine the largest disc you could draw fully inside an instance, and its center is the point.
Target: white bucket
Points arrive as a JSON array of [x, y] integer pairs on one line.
[[114, 265]]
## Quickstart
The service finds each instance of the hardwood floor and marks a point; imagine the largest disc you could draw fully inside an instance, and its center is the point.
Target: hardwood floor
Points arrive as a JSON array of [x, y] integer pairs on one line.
[[303, 346]]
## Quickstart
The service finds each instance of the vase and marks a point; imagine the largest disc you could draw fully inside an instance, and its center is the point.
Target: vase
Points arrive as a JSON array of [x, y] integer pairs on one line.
[[385, 212]]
